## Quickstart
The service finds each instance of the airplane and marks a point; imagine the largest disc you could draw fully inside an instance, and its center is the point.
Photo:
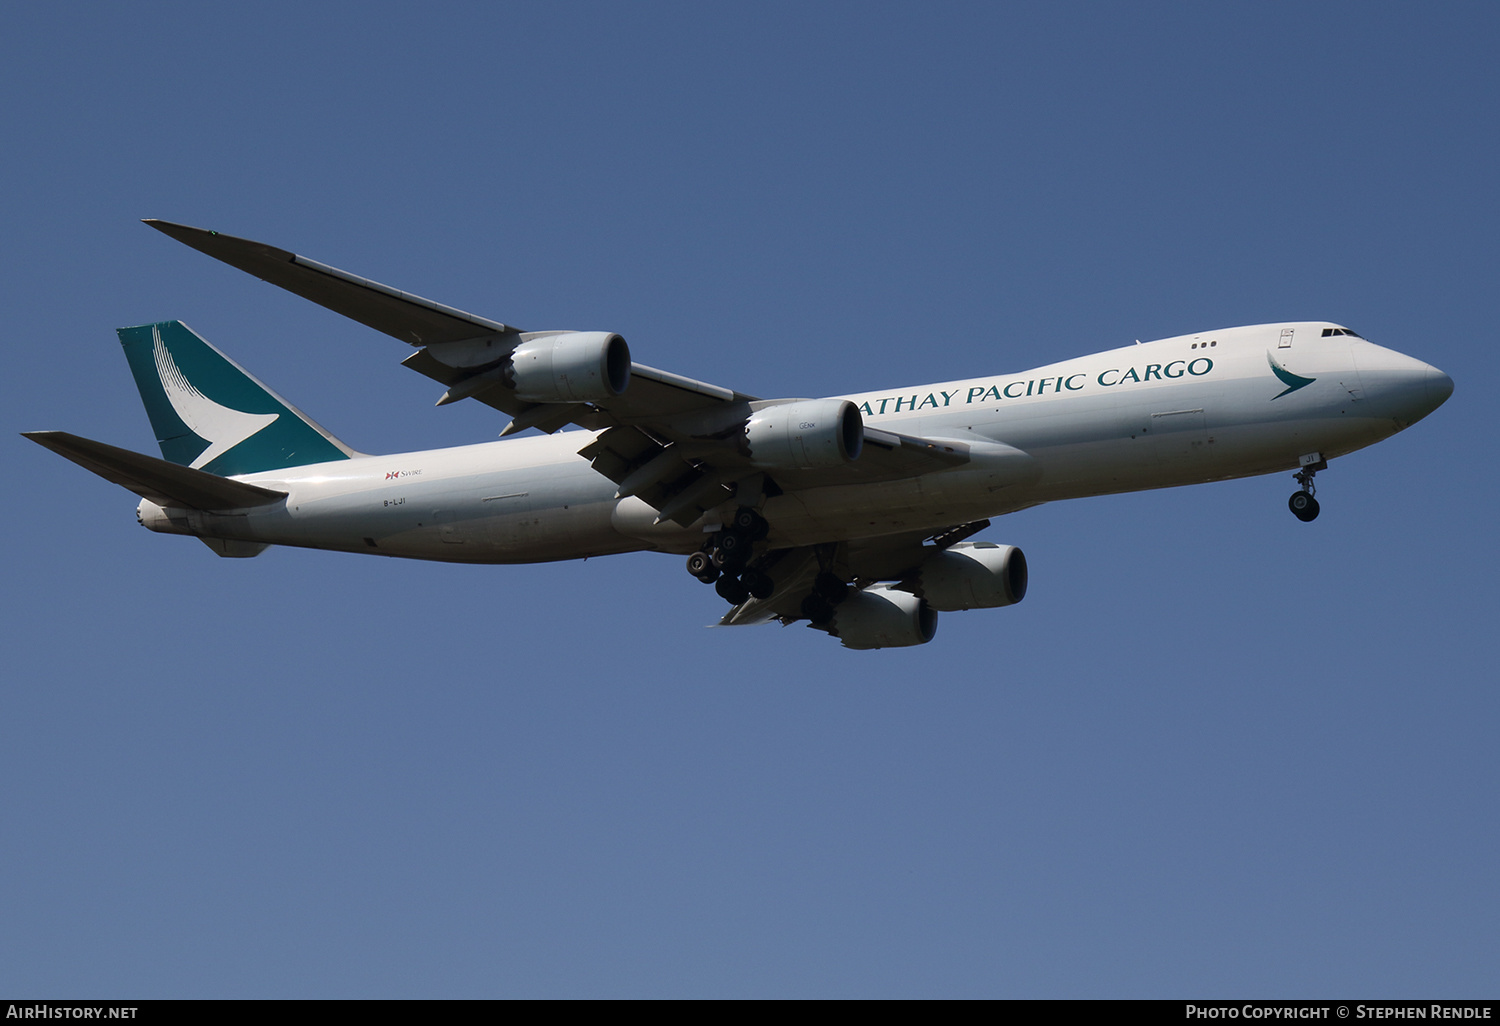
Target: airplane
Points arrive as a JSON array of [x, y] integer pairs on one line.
[[853, 513]]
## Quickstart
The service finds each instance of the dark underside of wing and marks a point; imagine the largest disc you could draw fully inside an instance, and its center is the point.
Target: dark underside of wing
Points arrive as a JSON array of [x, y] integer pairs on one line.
[[401, 315]]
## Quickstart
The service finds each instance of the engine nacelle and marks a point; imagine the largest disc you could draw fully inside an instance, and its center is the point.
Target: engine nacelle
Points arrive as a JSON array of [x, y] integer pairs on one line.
[[807, 435], [574, 367], [878, 617], [971, 575]]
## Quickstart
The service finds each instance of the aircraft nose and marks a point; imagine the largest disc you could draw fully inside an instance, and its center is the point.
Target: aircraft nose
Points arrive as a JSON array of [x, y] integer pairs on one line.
[[1418, 389], [1401, 387], [1439, 387]]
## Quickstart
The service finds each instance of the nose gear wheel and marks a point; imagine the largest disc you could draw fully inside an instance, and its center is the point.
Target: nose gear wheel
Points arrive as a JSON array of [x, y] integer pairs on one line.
[[1302, 504]]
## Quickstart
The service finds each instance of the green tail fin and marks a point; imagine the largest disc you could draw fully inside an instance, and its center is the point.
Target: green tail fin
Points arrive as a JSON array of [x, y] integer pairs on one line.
[[211, 414]]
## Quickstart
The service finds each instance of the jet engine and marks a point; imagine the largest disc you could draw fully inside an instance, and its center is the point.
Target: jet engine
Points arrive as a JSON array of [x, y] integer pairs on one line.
[[573, 367], [809, 434], [970, 575], [877, 617]]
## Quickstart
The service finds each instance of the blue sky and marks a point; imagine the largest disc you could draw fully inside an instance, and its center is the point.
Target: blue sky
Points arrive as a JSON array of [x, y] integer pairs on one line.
[[1216, 752]]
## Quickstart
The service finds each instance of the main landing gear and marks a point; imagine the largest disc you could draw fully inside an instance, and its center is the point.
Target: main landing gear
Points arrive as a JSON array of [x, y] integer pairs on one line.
[[1302, 504], [723, 559], [827, 592]]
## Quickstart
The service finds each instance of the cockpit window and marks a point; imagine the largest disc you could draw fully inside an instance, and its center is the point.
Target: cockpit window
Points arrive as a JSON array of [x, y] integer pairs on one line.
[[1341, 331]]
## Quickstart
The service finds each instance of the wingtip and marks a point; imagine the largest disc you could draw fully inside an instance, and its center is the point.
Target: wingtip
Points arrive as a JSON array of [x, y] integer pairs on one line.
[[46, 439], [228, 248], [168, 226], [180, 232]]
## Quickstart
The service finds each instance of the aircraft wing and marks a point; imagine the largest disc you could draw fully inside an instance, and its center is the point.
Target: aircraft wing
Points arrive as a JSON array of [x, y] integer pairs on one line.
[[424, 323], [410, 318], [669, 439]]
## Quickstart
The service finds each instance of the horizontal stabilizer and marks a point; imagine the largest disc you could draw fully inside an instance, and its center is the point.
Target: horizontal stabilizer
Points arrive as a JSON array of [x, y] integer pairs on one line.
[[412, 319], [166, 484]]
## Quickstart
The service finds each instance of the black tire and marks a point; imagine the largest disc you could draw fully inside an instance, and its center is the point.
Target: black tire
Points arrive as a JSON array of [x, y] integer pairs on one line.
[[1303, 506], [817, 609], [699, 564], [830, 589], [731, 590], [732, 561], [750, 523], [761, 586], [710, 577]]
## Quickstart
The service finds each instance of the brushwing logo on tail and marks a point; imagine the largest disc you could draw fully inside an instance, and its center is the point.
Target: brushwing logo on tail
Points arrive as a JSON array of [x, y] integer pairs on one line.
[[1290, 380], [220, 426]]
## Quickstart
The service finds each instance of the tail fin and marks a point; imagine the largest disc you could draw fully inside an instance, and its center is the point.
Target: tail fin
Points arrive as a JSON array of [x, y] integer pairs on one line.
[[210, 414]]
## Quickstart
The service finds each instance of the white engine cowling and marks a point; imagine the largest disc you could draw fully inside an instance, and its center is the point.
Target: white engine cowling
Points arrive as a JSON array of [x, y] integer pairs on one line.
[[878, 617], [807, 435], [574, 367], [971, 575]]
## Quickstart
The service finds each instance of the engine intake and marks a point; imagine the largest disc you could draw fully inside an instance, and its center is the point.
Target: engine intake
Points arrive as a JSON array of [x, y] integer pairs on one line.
[[806, 435], [971, 575], [877, 617], [574, 367]]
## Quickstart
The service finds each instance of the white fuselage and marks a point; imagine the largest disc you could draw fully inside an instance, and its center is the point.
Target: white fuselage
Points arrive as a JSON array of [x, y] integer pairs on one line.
[[1172, 412]]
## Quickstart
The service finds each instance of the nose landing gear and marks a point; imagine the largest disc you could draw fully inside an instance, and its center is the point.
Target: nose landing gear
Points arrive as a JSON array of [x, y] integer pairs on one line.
[[1302, 504]]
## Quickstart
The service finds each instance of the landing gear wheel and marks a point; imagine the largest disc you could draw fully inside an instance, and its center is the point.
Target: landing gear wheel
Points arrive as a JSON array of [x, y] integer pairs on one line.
[[760, 585], [1303, 506], [817, 609], [710, 577], [830, 588], [699, 564], [750, 523], [731, 551], [731, 590], [731, 561]]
